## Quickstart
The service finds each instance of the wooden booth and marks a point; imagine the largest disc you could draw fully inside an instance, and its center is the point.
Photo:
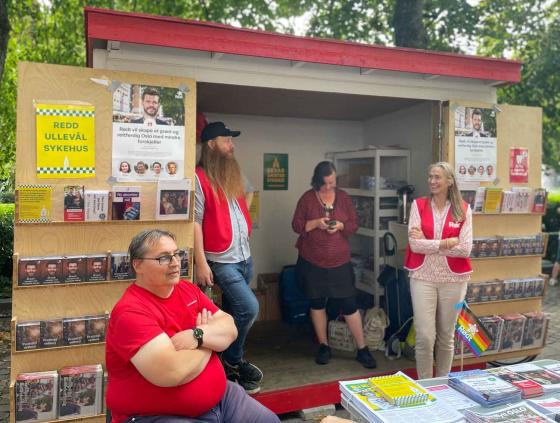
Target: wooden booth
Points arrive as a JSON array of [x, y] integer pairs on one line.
[[377, 111]]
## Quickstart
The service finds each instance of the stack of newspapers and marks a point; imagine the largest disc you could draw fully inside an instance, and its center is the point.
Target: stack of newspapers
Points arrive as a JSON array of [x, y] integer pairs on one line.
[[514, 413], [485, 388], [395, 398]]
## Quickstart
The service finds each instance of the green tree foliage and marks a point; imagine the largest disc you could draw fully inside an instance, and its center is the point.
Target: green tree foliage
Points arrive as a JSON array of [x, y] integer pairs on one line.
[[53, 32]]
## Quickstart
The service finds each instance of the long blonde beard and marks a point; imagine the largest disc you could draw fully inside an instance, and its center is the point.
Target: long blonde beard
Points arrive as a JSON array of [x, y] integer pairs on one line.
[[223, 172]]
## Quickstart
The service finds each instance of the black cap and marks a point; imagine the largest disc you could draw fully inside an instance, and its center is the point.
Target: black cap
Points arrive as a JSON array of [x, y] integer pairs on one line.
[[217, 129]]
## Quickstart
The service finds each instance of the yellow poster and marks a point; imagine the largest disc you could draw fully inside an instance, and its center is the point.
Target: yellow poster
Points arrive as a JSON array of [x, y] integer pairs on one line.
[[65, 141], [33, 203], [255, 210]]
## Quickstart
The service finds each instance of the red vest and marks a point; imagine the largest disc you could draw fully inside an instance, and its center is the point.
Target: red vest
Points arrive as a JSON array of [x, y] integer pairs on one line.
[[451, 229], [217, 227]]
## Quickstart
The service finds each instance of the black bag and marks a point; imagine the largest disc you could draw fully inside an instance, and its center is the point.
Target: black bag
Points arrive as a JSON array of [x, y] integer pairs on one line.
[[398, 302]]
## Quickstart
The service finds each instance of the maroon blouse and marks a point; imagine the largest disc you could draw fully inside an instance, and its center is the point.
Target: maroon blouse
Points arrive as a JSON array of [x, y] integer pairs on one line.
[[318, 246]]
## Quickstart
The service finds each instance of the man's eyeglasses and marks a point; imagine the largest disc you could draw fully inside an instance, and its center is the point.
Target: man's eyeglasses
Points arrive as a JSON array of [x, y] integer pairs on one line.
[[166, 259]]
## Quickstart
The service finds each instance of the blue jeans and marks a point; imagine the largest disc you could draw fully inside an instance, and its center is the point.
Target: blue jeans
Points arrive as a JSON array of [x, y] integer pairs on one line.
[[238, 300]]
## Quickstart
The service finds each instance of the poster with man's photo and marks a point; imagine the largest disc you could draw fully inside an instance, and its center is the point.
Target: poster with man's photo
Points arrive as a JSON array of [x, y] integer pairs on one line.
[[475, 144], [148, 133]]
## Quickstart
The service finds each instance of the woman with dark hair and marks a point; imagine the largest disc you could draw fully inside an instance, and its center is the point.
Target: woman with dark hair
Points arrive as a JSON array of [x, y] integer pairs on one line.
[[324, 219]]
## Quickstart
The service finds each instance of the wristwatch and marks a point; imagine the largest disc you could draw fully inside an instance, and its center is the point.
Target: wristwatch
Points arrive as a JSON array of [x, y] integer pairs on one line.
[[198, 335]]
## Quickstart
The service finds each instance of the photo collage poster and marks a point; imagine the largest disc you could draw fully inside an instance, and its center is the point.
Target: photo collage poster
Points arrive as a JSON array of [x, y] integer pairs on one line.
[[148, 133], [475, 144]]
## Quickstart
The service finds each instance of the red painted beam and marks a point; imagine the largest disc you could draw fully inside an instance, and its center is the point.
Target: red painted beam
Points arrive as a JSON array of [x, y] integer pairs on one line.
[[154, 30]]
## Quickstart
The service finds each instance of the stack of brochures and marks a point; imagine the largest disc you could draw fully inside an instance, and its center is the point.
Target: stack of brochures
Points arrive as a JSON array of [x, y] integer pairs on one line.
[[520, 412], [363, 398], [550, 407], [486, 389], [529, 388], [550, 381]]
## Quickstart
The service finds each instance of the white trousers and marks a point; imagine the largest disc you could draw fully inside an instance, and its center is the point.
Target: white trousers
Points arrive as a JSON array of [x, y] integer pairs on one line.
[[435, 316]]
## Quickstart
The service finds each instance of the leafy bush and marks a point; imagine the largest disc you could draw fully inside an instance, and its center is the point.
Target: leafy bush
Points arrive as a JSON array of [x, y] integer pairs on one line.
[[6, 244]]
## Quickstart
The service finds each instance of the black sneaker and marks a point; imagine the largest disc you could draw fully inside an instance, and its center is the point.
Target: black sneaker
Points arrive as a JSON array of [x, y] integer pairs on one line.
[[248, 371], [323, 354], [365, 358], [239, 373]]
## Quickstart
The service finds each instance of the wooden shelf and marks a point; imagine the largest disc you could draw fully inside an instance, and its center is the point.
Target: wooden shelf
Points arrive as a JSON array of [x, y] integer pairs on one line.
[[100, 222], [516, 305], [499, 356], [65, 285], [506, 257], [370, 193]]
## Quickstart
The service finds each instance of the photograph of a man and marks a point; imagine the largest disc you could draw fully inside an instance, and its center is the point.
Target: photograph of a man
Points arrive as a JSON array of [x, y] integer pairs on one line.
[[476, 124], [73, 269], [51, 333], [52, 271], [150, 107], [74, 331], [28, 272], [96, 269]]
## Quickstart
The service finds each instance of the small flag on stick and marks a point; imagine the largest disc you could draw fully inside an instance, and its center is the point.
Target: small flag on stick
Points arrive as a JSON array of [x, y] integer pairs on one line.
[[473, 333]]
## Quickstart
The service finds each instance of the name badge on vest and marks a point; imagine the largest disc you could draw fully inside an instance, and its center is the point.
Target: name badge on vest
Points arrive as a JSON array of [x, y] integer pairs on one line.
[[454, 224]]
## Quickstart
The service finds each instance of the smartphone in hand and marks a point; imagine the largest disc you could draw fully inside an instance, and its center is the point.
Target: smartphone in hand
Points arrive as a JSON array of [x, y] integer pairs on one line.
[[331, 223]]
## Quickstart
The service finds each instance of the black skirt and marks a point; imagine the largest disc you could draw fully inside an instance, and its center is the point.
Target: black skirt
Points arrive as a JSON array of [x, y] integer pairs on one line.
[[318, 282]]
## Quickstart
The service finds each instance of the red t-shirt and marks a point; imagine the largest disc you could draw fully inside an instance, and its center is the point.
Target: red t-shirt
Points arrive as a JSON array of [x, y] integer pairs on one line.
[[136, 319]]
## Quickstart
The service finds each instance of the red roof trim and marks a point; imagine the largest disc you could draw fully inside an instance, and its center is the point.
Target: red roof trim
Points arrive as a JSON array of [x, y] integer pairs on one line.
[[155, 30]]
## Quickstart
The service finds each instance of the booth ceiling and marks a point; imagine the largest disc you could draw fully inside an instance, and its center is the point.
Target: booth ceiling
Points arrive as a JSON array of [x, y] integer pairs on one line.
[[246, 100]]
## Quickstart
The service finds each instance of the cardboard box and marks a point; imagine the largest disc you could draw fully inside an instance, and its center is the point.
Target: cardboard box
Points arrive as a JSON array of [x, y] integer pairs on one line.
[[269, 283], [261, 298]]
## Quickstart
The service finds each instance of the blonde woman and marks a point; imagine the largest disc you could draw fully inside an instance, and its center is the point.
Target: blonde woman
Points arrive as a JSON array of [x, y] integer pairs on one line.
[[439, 245]]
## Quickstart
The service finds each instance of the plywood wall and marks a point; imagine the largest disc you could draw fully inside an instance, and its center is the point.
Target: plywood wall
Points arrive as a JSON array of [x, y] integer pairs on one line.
[[42, 82]]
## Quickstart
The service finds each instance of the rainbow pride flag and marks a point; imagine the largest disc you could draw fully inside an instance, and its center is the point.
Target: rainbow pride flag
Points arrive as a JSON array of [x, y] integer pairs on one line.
[[473, 334]]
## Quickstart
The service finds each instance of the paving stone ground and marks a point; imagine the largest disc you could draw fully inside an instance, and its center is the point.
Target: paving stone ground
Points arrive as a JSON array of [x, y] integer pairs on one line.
[[551, 305]]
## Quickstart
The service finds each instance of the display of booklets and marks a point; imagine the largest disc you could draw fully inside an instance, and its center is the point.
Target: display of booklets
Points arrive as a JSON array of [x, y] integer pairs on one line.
[[126, 203], [469, 197], [361, 398], [96, 268], [51, 270], [120, 267], [486, 389], [550, 381], [52, 334], [96, 205], [185, 262], [33, 203], [80, 390], [552, 367], [29, 271], [529, 388], [173, 199], [28, 335], [74, 269], [399, 389], [534, 330], [539, 201], [512, 333], [74, 330], [550, 407], [36, 396], [515, 413], [494, 326], [96, 327], [74, 203], [492, 200], [522, 199], [479, 200]]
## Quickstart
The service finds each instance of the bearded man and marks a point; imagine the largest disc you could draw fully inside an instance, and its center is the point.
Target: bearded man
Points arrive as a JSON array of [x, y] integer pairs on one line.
[[221, 243]]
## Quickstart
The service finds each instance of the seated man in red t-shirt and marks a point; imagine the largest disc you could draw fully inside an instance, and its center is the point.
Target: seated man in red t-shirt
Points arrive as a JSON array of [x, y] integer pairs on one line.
[[161, 346]]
